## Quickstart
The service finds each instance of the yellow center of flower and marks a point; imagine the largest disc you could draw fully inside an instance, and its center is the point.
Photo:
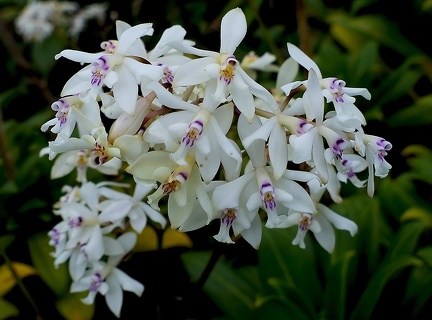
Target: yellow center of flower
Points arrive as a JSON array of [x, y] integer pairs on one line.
[[228, 216], [99, 154], [305, 221], [81, 159], [169, 187], [227, 73]]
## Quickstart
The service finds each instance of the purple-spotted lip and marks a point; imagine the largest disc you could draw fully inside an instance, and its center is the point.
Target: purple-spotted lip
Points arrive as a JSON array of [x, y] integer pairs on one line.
[[96, 282]]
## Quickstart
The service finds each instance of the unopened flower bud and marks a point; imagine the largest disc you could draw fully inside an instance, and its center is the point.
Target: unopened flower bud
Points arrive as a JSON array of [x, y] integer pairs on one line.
[[127, 124]]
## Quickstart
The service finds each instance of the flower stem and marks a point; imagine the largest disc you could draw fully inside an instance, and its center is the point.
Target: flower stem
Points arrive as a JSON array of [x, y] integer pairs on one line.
[[216, 254]]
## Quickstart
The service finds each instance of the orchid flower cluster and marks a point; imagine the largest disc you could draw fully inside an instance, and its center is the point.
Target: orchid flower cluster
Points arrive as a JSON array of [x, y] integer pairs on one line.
[[201, 140]]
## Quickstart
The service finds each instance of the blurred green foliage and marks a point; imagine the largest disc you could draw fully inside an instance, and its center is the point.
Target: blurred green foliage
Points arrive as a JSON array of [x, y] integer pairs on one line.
[[384, 271]]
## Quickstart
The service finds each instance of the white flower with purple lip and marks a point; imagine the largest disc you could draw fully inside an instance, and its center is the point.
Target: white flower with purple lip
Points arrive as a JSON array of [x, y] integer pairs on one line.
[[333, 89], [118, 206], [102, 151], [233, 221], [275, 130], [117, 68], [321, 223], [264, 191], [202, 130], [375, 149], [221, 69], [107, 279], [181, 184], [309, 147]]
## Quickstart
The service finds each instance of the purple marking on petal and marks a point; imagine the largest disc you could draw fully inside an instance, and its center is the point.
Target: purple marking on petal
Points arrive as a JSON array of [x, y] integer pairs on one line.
[[96, 282], [183, 175], [228, 217]]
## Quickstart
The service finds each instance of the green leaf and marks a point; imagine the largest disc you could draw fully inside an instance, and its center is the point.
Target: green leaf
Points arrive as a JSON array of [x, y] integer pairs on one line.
[[405, 240], [419, 158], [335, 295], [419, 287], [282, 261], [43, 53], [72, 308], [397, 195], [418, 114], [231, 292], [396, 84], [57, 279], [426, 255], [418, 214], [373, 230], [354, 32], [380, 278], [8, 278], [5, 241], [8, 310], [361, 65], [286, 302], [273, 308]]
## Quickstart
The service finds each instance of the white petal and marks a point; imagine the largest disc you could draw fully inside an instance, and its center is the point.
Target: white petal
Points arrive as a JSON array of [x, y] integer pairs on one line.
[[313, 100], [227, 195], [153, 214], [112, 246], [326, 237], [78, 83], [116, 211], [223, 234], [129, 36], [301, 201], [180, 205], [127, 283], [146, 165], [258, 90], [193, 72], [233, 30], [168, 98], [338, 221], [196, 220], [303, 59], [256, 149], [287, 72], [302, 146], [261, 133], [114, 296], [94, 247], [126, 90], [318, 158], [63, 166], [278, 151], [253, 235], [78, 56]]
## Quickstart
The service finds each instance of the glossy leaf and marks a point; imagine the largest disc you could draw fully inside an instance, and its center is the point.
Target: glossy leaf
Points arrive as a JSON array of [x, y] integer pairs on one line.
[[72, 308], [7, 277], [418, 214], [335, 296], [231, 292], [8, 310], [57, 279], [5, 241], [380, 278], [148, 240], [418, 114], [353, 32], [406, 239]]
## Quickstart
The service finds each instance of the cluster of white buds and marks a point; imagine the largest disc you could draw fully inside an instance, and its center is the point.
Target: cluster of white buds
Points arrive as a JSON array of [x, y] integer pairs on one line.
[[39, 19], [195, 130]]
